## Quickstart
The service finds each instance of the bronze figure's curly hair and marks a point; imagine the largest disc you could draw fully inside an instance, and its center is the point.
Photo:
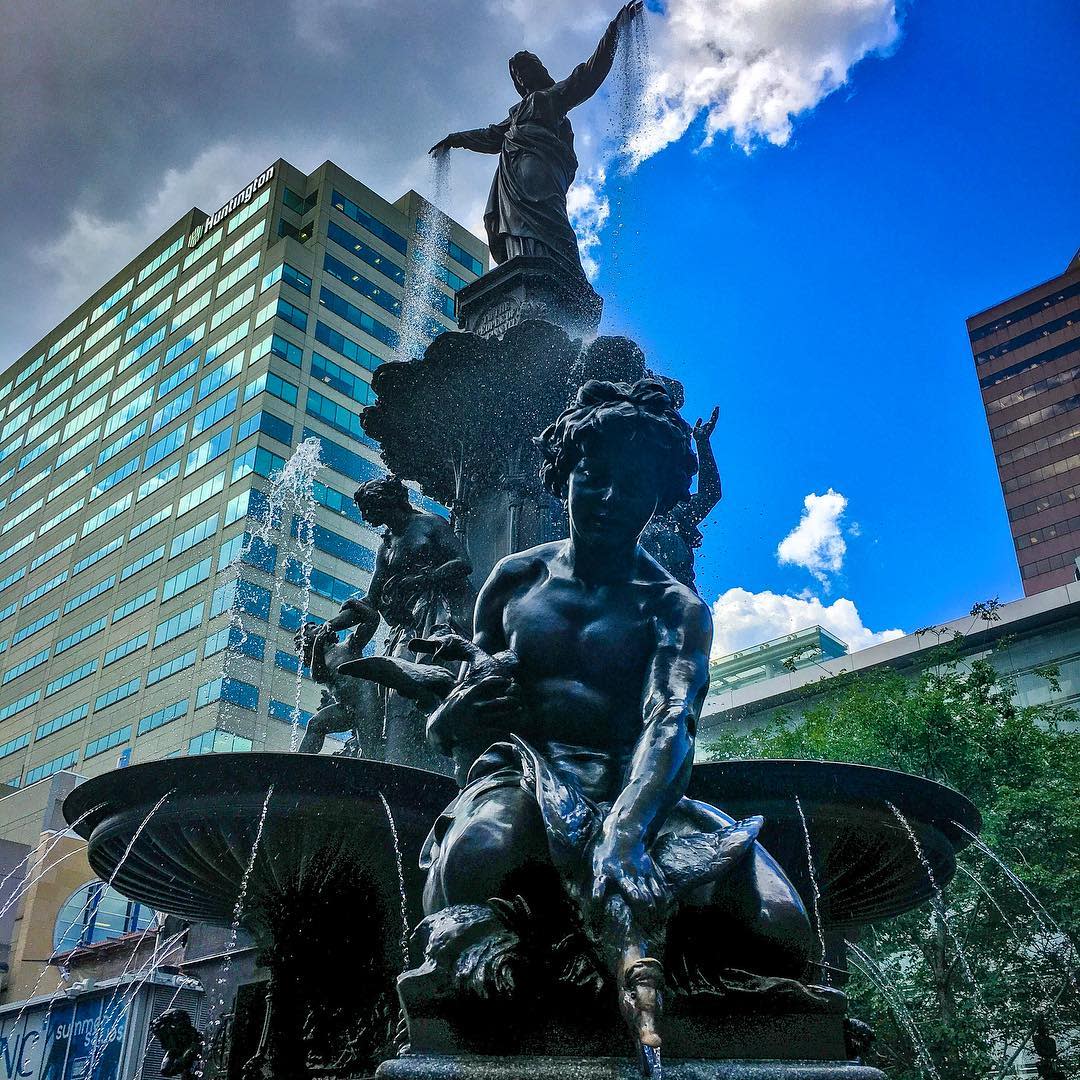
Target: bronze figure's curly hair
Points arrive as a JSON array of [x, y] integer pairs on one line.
[[385, 493], [644, 411]]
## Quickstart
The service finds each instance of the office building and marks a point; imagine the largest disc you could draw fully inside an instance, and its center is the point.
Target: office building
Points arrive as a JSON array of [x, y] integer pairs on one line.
[[1021, 640], [136, 442], [1027, 357]]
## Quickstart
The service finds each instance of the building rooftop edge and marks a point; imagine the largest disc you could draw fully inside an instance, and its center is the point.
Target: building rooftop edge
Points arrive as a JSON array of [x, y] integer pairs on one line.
[[1027, 612], [1072, 266]]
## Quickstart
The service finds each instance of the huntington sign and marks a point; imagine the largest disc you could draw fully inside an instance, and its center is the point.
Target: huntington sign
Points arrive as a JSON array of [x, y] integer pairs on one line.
[[241, 198]]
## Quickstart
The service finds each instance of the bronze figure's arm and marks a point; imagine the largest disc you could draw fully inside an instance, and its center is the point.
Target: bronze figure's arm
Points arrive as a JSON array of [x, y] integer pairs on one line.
[[587, 78], [660, 768], [709, 491], [485, 140], [487, 705]]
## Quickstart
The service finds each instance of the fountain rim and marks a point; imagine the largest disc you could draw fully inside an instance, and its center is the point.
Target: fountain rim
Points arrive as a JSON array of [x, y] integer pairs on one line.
[[919, 793], [251, 772]]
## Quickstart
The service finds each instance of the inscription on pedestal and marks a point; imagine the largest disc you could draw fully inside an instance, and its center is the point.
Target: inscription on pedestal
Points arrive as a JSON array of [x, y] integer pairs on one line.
[[498, 318]]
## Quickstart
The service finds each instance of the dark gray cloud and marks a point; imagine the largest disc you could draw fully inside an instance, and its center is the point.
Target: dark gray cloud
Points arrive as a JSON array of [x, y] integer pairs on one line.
[[119, 116]]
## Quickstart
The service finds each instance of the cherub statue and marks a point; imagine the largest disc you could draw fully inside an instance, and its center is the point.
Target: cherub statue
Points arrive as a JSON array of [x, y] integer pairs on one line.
[[420, 581], [182, 1042], [526, 209], [347, 704], [672, 538]]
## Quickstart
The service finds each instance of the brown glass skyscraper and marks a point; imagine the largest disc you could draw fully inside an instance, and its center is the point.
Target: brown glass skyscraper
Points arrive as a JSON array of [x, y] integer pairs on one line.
[[1027, 357]]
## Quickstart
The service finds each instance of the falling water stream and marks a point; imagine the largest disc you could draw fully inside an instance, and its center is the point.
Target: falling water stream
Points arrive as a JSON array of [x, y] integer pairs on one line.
[[815, 891], [872, 970], [939, 900], [422, 275], [287, 523], [218, 1006], [1034, 905], [401, 882], [290, 515]]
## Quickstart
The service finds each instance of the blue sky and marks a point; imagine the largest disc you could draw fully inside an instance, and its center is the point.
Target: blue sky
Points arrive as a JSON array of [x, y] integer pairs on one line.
[[817, 290], [818, 293]]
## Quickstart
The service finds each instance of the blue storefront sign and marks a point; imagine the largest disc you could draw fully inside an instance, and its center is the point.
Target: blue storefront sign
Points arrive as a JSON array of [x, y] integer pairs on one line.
[[68, 1039]]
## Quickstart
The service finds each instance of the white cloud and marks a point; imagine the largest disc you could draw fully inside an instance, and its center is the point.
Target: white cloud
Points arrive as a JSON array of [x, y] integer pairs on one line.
[[816, 543], [750, 67], [743, 618], [589, 209]]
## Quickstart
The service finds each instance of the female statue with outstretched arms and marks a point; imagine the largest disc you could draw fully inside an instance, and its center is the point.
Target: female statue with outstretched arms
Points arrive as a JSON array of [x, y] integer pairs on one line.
[[526, 209]]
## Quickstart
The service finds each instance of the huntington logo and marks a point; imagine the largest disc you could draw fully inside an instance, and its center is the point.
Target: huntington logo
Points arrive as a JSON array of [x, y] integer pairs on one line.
[[241, 198]]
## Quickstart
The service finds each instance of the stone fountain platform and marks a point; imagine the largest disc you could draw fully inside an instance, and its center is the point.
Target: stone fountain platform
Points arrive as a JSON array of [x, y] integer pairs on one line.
[[867, 865], [450, 1067]]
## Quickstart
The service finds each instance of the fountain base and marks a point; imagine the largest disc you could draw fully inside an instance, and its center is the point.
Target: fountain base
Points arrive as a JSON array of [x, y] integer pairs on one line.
[[529, 287], [467, 1067]]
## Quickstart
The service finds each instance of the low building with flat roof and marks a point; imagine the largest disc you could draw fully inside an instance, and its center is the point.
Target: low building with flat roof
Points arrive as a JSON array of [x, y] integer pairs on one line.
[[1019, 638], [812, 645]]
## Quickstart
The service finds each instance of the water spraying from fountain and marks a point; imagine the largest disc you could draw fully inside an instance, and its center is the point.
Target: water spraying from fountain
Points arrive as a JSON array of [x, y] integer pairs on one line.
[[872, 970], [401, 881], [1034, 905], [815, 891], [289, 523], [218, 1006], [630, 96], [422, 292], [939, 908]]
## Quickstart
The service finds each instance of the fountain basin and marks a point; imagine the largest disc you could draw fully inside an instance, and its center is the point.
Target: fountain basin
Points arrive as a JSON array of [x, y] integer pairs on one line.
[[866, 864], [191, 855]]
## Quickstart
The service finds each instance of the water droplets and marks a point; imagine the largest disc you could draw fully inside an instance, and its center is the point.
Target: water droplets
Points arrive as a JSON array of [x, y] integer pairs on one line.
[[423, 297]]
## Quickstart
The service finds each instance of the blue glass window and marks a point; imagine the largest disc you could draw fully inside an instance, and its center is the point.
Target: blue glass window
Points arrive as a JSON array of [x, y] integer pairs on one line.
[[358, 249], [459, 254], [341, 548], [372, 224], [289, 618], [348, 348], [287, 713], [352, 314], [341, 380], [357, 282], [322, 584], [333, 414], [268, 423], [246, 644], [355, 466]]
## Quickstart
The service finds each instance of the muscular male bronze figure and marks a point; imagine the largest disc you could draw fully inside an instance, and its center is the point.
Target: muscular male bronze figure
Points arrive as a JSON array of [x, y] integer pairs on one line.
[[578, 760]]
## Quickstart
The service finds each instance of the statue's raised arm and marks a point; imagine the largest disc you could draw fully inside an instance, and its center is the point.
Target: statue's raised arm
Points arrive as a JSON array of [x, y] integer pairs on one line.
[[526, 210], [589, 76]]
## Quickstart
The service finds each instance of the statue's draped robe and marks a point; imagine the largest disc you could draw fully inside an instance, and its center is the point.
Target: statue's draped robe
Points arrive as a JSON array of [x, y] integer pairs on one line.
[[526, 208]]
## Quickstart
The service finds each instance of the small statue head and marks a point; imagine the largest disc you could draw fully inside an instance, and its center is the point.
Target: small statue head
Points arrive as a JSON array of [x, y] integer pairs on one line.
[[384, 501], [529, 73], [619, 454], [181, 1039]]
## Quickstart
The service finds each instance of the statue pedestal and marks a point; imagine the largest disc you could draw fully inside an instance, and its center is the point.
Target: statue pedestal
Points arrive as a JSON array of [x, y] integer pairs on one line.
[[529, 287], [468, 1067]]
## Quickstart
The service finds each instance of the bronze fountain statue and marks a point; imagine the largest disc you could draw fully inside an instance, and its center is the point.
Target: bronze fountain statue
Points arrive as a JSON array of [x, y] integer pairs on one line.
[[526, 207], [582, 893]]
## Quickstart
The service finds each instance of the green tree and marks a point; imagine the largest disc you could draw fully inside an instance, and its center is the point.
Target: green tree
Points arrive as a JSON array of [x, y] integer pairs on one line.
[[974, 969]]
